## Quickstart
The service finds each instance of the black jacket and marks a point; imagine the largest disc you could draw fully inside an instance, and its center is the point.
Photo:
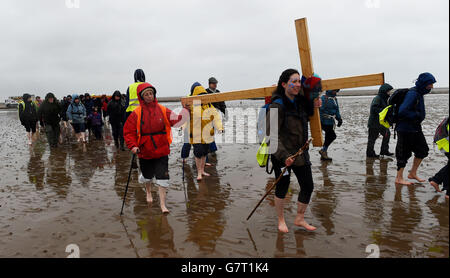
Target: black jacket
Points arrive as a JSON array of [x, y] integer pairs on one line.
[[116, 110], [218, 105], [50, 113]]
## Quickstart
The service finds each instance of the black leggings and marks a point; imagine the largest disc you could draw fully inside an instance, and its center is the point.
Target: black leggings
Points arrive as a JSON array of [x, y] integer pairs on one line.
[[304, 177], [330, 135], [442, 176]]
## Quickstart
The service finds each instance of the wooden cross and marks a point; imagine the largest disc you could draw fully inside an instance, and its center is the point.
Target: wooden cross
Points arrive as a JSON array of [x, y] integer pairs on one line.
[[304, 49]]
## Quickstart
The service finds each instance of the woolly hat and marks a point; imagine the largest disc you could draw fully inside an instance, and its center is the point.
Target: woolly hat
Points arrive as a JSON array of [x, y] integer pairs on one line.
[[143, 86]]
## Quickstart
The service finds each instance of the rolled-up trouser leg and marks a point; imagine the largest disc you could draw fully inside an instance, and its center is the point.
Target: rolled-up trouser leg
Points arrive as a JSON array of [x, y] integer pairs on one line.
[[403, 150]]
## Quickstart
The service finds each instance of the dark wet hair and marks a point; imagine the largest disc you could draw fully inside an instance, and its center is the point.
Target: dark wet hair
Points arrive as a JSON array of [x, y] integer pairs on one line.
[[284, 78]]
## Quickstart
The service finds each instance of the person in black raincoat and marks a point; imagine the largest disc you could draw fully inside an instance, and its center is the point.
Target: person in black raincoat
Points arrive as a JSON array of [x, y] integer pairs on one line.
[[116, 111], [50, 113]]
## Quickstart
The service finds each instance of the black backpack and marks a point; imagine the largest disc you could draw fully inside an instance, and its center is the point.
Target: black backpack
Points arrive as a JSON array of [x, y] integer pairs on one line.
[[395, 100]]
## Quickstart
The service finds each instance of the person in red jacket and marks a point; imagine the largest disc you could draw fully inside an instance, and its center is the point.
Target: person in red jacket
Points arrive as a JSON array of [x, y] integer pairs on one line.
[[147, 133]]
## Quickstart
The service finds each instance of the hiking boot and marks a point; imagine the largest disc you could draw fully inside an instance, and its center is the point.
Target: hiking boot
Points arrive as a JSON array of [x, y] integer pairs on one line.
[[122, 148], [324, 156], [387, 153]]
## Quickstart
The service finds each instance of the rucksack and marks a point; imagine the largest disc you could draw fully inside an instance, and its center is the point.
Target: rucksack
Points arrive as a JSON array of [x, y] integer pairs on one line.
[[441, 135], [261, 124], [262, 156], [389, 115]]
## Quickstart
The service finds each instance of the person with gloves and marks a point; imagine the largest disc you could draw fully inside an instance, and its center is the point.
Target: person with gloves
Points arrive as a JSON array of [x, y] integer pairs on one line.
[[329, 113]]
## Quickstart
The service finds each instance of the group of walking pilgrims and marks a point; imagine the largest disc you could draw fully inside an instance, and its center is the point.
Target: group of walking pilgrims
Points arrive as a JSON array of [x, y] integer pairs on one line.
[[145, 126]]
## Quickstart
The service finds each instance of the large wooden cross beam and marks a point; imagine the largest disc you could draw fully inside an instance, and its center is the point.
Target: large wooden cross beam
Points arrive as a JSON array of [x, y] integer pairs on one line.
[[304, 49]]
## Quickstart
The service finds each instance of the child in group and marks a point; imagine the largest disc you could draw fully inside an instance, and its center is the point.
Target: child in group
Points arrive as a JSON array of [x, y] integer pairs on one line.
[[97, 123]]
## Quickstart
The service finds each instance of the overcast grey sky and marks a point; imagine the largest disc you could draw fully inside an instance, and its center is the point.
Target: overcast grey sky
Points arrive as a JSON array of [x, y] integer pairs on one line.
[[48, 47]]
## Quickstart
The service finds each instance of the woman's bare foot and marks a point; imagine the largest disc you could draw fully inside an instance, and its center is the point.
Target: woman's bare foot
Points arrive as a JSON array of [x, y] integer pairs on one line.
[[282, 227], [206, 174], [402, 181], [302, 223], [199, 177], [446, 197], [415, 177], [164, 209], [435, 185], [208, 164]]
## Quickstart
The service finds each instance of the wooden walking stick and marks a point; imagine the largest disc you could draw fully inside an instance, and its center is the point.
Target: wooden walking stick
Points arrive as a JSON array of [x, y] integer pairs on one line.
[[302, 150]]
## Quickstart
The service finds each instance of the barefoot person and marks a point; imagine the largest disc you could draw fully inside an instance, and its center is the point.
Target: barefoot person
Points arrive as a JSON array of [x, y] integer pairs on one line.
[[202, 134], [148, 134], [441, 139], [410, 136], [28, 116], [76, 113], [293, 102]]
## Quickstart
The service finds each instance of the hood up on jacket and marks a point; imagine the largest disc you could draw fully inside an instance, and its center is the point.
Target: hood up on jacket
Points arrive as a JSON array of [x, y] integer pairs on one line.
[[50, 95], [139, 75], [197, 89], [116, 93], [384, 89], [141, 88], [423, 81], [25, 97]]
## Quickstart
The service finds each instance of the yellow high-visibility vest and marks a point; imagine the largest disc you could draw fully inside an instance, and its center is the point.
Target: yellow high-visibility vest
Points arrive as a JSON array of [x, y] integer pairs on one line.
[[133, 100], [443, 144]]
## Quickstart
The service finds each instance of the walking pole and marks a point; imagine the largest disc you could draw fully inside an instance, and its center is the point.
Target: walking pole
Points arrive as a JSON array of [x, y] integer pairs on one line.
[[183, 169], [302, 149], [128, 182]]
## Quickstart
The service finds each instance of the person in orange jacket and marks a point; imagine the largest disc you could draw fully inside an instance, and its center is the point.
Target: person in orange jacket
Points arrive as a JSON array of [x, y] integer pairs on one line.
[[147, 133]]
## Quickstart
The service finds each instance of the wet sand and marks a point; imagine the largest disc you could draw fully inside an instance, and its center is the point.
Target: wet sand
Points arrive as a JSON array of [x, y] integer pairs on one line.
[[52, 198]]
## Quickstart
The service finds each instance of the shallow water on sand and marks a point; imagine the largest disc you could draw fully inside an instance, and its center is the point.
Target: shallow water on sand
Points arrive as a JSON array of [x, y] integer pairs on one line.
[[52, 198]]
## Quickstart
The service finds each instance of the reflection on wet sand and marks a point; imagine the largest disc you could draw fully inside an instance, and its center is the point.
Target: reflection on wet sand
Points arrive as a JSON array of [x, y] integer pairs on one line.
[[50, 197], [154, 228], [57, 176], [205, 212], [398, 238], [324, 203], [374, 189], [36, 168], [300, 251]]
